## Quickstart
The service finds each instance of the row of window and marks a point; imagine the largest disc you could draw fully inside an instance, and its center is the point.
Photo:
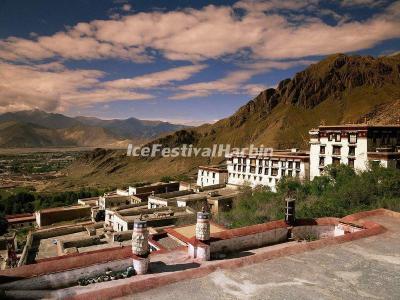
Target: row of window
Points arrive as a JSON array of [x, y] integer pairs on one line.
[[206, 181], [274, 164], [336, 150], [337, 137], [336, 161], [265, 162], [274, 172], [204, 173]]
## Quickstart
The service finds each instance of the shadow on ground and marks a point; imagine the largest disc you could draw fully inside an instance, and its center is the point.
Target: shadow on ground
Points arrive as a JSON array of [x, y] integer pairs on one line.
[[160, 267]]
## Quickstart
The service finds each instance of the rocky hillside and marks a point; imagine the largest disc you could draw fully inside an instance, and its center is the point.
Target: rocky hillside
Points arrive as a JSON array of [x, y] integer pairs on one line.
[[338, 89]]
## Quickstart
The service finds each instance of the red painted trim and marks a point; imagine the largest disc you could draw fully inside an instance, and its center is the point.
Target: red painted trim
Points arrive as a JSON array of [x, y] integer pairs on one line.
[[177, 235]]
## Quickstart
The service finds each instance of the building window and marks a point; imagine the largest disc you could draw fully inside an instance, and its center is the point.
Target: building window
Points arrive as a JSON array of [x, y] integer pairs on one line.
[[283, 173], [290, 164], [290, 173], [260, 162], [338, 137], [297, 165], [234, 167], [213, 175], [260, 170], [322, 149], [336, 150], [386, 139], [266, 171], [252, 162], [351, 162], [297, 174], [331, 136], [322, 161], [353, 138], [283, 164], [274, 172], [374, 137], [352, 150], [335, 160], [252, 169]]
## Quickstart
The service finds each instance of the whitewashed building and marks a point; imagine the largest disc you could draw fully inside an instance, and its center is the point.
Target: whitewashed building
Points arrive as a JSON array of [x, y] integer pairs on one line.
[[266, 168], [211, 175], [355, 145]]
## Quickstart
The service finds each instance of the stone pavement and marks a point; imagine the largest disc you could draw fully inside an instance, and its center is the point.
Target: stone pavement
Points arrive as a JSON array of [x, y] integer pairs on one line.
[[367, 268]]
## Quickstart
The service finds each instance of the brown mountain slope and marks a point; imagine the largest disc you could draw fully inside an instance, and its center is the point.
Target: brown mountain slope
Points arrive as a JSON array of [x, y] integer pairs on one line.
[[339, 89], [85, 135]]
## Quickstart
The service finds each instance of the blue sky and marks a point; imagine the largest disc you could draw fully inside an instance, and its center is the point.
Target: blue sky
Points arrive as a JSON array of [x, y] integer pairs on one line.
[[181, 61]]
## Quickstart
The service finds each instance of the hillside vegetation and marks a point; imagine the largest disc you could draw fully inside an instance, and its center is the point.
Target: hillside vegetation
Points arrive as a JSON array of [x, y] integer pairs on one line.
[[339, 89], [339, 193]]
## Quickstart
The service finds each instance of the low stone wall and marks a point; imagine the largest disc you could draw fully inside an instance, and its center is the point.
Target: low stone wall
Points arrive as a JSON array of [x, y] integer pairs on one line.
[[33, 238], [249, 237], [28, 245], [67, 262], [315, 228], [66, 278], [78, 243], [313, 232], [121, 236]]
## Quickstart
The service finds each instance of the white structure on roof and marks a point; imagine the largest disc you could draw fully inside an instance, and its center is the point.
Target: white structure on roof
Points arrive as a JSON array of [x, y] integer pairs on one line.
[[354, 145], [211, 175], [266, 168]]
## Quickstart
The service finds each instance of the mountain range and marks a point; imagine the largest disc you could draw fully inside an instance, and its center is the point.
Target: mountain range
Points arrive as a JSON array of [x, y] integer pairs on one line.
[[36, 128], [337, 90]]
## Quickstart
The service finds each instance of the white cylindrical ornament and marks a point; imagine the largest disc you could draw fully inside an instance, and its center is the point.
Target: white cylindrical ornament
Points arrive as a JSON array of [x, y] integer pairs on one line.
[[141, 265], [203, 226], [140, 239]]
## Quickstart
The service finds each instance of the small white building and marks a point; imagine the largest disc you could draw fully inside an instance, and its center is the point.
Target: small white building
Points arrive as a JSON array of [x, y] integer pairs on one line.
[[211, 175], [266, 168], [112, 199], [355, 145]]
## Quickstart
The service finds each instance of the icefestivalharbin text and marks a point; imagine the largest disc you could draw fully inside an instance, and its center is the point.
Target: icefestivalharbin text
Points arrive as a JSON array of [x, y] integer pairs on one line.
[[217, 150]]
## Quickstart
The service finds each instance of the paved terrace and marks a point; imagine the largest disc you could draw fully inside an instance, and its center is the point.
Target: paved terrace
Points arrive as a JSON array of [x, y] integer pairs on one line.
[[367, 268], [364, 268]]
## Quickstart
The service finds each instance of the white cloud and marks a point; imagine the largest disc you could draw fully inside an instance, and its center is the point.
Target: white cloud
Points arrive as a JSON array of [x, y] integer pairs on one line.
[[213, 32], [369, 3], [255, 31], [234, 82], [52, 87], [261, 6], [126, 7], [157, 79]]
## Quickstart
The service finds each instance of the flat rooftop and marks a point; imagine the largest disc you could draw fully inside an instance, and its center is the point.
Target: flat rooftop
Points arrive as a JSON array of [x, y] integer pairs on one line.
[[357, 126], [63, 208], [366, 268], [215, 168], [190, 230]]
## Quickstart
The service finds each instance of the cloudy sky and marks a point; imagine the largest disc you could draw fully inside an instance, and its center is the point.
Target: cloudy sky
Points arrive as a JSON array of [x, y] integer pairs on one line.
[[180, 61]]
